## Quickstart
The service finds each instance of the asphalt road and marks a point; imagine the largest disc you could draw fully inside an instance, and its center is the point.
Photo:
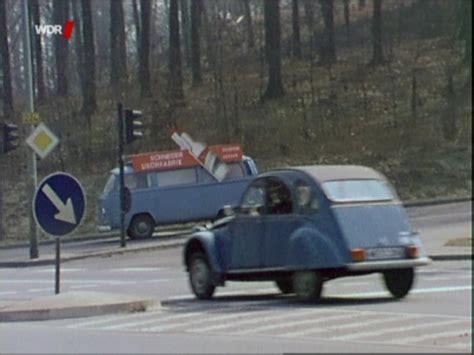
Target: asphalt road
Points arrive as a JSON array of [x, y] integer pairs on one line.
[[355, 315]]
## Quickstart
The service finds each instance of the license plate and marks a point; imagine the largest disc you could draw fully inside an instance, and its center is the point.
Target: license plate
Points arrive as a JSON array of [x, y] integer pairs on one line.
[[385, 253]]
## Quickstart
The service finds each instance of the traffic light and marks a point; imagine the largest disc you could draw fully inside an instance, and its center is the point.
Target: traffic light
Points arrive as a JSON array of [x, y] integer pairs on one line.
[[133, 125], [10, 137]]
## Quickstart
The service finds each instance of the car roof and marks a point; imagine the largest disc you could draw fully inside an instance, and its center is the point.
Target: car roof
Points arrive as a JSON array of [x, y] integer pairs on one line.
[[323, 173]]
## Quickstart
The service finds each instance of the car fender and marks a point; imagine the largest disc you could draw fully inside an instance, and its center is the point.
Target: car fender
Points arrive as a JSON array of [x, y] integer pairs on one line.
[[205, 242], [311, 249]]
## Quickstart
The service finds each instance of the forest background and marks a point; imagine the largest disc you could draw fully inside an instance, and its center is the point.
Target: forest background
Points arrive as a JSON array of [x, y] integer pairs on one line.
[[382, 83]]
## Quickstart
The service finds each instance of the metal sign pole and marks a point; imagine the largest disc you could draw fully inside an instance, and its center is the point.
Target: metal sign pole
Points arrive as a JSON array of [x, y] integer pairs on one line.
[[123, 242], [31, 161], [58, 266]]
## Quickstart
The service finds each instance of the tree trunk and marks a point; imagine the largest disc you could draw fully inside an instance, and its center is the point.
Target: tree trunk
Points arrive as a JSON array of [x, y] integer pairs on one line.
[[195, 41], [60, 16], [144, 53], [248, 23], [295, 17], [136, 21], [5, 53], [347, 17], [272, 49], [79, 51], [89, 104], [378, 57], [175, 80], [118, 53], [309, 18], [184, 10], [328, 47], [38, 51], [361, 4]]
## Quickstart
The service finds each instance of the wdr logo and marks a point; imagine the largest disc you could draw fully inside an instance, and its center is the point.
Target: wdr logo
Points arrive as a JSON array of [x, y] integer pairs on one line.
[[48, 30]]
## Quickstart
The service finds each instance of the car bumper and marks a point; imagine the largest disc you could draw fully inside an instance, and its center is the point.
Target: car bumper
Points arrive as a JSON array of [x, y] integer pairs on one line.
[[388, 264]]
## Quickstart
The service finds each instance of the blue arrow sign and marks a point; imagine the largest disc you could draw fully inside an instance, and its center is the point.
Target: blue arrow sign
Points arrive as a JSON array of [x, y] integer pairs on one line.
[[59, 204]]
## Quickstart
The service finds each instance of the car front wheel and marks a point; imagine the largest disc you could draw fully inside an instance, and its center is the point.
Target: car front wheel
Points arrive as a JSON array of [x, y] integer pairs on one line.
[[399, 282], [200, 276], [308, 285]]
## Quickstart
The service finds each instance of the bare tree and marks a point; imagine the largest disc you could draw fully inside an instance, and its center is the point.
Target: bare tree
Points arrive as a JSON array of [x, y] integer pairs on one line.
[[295, 21], [378, 57], [196, 6], [38, 52], [5, 54], [144, 53], [347, 17], [118, 53], [61, 53], [309, 19], [175, 79], [328, 47], [184, 11], [248, 23], [272, 49], [89, 104]]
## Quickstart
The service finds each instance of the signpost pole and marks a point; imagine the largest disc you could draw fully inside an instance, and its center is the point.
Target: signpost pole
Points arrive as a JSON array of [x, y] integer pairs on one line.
[[123, 242], [58, 265], [31, 161]]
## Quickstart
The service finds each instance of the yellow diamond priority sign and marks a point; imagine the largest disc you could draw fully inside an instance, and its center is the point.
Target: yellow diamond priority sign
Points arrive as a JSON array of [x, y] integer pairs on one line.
[[42, 140]]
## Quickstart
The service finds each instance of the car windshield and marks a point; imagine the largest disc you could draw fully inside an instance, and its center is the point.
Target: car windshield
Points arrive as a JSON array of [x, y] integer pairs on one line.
[[357, 190]]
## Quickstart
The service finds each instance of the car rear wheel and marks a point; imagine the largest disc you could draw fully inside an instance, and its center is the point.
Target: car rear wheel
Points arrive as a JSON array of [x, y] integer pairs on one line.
[[399, 282], [308, 285], [200, 276], [142, 226], [284, 285]]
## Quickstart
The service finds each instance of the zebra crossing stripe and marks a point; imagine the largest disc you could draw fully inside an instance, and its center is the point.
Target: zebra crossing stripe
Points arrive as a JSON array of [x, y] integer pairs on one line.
[[397, 329], [154, 320], [420, 338], [358, 324], [296, 323], [203, 319], [94, 322]]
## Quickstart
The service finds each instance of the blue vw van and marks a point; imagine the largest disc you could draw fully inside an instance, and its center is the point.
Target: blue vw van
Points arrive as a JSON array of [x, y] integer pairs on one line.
[[171, 196]]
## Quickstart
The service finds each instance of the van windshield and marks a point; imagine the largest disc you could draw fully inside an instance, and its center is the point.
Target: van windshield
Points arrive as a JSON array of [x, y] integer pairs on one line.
[[110, 184], [357, 190]]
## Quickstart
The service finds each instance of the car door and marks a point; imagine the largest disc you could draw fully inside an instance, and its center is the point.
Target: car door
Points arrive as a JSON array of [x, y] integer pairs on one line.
[[247, 228], [280, 222]]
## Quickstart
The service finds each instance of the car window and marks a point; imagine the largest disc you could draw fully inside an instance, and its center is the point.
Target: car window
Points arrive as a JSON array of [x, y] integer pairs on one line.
[[235, 171], [205, 176], [176, 177], [357, 190], [253, 200], [307, 202], [279, 197]]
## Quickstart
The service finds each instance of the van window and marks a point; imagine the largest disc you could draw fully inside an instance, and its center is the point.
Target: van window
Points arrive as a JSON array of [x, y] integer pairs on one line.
[[176, 177], [235, 171], [110, 184]]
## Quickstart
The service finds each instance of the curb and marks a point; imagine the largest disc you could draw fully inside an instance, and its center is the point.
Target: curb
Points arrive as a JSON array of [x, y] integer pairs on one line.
[[435, 202], [42, 312], [454, 257]]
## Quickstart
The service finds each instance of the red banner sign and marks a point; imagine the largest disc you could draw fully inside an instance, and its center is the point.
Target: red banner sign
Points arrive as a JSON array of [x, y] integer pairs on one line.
[[228, 152], [167, 160]]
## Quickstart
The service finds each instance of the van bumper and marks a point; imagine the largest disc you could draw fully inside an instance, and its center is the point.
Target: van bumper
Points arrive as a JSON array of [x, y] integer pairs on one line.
[[104, 228], [388, 264]]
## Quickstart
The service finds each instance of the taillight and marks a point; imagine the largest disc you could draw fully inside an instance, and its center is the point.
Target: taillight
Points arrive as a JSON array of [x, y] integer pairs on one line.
[[358, 254], [412, 251]]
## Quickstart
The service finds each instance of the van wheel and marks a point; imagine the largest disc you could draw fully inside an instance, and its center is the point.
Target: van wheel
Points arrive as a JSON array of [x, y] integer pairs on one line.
[[142, 226], [399, 282], [308, 285], [200, 277], [284, 285]]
